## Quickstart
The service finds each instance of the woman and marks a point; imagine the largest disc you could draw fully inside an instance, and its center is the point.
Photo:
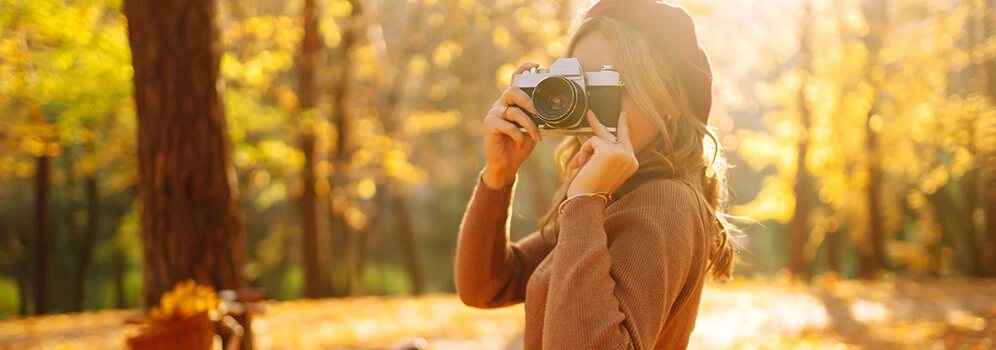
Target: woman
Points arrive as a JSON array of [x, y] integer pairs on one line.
[[620, 260]]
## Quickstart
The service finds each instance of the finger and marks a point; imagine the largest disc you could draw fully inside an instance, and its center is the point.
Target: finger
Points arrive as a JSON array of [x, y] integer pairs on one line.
[[515, 96], [597, 127], [522, 68], [595, 143], [502, 126], [575, 162], [586, 151], [588, 155], [622, 131], [582, 159], [517, 115]]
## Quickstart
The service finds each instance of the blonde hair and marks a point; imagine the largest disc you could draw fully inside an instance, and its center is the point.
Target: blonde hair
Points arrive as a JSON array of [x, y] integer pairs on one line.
[[655, 88]]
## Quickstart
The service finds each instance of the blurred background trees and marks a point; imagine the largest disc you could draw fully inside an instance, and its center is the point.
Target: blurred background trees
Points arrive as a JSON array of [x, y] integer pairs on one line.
[[864, 134], [899, 138]]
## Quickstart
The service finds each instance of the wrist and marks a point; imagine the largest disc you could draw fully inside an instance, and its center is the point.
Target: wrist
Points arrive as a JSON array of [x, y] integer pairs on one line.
[[605, 197], [497, 178], [572, 191]]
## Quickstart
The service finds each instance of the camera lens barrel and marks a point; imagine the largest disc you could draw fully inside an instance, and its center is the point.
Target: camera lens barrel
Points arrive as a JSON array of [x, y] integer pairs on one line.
[[560, 102]]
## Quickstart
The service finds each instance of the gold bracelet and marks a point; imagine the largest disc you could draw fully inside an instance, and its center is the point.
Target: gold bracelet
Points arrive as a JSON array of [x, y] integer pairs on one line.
[[603, 195]]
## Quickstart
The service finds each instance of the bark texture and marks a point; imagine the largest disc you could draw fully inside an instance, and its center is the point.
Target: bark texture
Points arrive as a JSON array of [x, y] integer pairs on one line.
[[871, 251], [798, 229], [191, 223], [989, 159], [43, 233], [314, 240]]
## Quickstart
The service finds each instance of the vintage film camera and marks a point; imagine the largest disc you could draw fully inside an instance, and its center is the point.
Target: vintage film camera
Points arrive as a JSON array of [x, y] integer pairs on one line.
[[564, 93]]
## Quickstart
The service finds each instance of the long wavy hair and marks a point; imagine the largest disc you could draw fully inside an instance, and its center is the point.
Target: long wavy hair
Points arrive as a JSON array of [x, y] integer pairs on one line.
[[691, 151]]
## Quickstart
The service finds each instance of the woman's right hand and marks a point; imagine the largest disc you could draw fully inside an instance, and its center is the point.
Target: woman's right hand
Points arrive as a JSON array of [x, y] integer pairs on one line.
[[505, 146]]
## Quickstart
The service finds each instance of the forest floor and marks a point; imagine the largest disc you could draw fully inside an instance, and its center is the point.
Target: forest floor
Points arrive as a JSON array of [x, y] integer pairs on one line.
[[923, 314]]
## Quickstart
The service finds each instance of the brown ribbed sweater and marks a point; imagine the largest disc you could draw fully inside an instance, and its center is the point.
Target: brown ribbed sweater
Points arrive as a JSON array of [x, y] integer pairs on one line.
[[624, 276]]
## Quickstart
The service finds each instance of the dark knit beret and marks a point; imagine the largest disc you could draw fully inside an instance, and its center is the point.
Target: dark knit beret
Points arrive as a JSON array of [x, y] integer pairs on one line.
[[669, 28]]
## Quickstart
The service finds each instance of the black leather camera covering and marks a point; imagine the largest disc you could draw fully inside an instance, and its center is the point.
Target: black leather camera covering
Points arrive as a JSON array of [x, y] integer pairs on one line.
[[605, 102]]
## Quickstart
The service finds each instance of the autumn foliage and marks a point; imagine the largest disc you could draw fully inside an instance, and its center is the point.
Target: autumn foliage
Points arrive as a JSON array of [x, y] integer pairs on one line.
[[347, 136]]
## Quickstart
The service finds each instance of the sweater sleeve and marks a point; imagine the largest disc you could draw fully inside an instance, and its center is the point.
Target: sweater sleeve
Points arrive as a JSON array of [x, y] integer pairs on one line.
[[619, 295], [490, 270]]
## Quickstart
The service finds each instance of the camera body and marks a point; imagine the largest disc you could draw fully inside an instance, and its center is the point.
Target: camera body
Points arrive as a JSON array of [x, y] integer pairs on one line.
[[564, 93]]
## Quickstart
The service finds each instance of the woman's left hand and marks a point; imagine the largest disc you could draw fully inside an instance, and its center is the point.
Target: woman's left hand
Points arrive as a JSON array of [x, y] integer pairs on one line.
[[606, 161]]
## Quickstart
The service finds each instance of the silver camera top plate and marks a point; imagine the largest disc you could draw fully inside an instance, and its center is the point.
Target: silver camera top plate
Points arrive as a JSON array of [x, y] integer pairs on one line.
[[569, 67]]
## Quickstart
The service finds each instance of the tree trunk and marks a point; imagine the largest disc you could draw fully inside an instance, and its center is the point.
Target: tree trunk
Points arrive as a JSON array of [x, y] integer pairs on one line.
[[358, 262], [89, 235], [871, 252], [989, 158], [970, 182], [192, 226], [873, 249], [798, 228], [315, 262], [43, 234], [315, 257], [42, 215], [72, 206], [342, 67]]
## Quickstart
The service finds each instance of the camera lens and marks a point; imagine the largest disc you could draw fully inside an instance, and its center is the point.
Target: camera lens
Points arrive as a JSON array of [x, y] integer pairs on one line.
[[559, 102]]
